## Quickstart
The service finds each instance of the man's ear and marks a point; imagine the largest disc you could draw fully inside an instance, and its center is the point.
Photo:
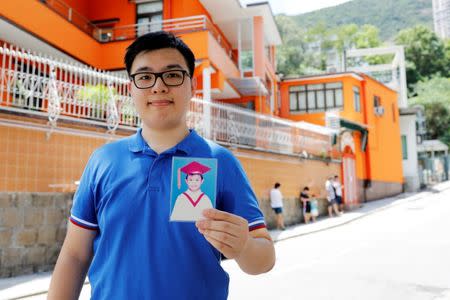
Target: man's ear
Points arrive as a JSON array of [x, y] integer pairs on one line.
[[193, 85]]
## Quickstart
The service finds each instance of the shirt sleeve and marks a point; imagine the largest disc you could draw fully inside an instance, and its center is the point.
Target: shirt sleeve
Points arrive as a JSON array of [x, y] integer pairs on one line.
[[83, 213], [237, 196]]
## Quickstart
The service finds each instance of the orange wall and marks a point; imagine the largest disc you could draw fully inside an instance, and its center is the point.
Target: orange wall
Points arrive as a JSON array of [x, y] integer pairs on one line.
[[52, 28], [106, 9], [80, 6], [30, 162], [384, 134]]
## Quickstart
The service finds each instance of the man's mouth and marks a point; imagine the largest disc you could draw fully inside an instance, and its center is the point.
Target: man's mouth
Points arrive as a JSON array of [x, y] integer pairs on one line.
[[165, 102]]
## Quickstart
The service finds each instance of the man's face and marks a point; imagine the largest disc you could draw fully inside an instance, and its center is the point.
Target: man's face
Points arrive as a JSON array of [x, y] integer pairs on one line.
[[162, 106], [194, 181]]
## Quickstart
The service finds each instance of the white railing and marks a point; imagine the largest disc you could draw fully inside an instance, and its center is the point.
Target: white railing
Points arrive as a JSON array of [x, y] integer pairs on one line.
[[242, 127], [177, 26], [38, 85], [61, 90]]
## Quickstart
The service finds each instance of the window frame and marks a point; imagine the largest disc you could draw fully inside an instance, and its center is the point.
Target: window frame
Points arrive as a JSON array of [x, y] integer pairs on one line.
[[312, 105]]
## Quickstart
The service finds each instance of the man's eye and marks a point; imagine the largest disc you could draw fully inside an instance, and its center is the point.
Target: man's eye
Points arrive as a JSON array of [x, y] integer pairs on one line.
[[143, 77], [173, 75]]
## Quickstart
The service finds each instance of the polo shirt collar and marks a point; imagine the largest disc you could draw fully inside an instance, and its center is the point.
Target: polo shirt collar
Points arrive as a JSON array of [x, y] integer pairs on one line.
[[138, 144]]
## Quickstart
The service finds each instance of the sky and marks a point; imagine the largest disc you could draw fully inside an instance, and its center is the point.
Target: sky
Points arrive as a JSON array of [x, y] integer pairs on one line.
[[295, 7]]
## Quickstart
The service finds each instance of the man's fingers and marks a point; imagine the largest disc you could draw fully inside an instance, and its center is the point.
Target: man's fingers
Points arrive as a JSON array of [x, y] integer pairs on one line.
[[220, 226], [221, 246], [216, 214], [222, 237]]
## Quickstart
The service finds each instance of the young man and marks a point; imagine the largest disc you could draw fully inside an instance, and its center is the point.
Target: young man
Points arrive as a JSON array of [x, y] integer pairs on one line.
[[276, 202], [120, 227]]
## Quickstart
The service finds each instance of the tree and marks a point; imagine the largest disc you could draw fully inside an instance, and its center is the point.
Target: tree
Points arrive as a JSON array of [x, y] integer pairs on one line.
[[291, 55], [434, 95], [424, 53]]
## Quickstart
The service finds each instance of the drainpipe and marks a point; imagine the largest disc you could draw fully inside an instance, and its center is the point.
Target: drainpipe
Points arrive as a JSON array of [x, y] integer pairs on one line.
[[368, 176]]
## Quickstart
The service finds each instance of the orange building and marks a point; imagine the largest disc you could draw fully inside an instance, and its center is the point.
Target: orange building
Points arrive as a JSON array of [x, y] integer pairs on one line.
[[366, 112], [235, 51]]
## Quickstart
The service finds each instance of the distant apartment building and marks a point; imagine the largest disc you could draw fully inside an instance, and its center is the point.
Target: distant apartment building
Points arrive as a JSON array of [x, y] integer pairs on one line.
[[441, 18]]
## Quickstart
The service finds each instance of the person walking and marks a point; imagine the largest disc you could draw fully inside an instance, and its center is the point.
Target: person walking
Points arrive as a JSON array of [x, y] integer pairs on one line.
[[276, 202], [331, 197], [338, 189], [306, 204]]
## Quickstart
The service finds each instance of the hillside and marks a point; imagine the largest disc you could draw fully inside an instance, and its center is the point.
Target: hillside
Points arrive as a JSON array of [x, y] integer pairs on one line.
[[389, 16]]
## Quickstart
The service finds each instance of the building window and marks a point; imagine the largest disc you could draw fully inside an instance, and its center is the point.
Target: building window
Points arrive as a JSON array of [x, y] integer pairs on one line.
[[356, 99], [149, 16], [314, 98], [404, 148], [376, 101]]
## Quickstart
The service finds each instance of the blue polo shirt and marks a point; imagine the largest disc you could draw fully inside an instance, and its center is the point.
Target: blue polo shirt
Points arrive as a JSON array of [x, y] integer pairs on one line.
[[124, 195]]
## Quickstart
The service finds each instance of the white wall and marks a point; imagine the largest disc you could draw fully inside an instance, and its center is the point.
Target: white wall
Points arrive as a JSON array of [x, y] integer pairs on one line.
[[410, 165]]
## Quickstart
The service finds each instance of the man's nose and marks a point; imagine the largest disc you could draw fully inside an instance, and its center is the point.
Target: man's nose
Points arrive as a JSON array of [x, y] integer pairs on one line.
[[160, 86]]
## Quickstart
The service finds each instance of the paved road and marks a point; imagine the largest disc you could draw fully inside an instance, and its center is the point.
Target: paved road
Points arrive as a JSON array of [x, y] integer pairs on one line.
[[399, 253]]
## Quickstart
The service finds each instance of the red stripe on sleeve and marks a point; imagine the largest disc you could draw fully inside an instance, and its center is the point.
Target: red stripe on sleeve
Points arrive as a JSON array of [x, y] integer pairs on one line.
[[82, 226], [257, 227]]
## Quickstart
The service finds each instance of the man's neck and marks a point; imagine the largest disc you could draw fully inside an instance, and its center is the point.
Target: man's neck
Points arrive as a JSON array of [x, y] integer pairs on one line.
[[161, 140]]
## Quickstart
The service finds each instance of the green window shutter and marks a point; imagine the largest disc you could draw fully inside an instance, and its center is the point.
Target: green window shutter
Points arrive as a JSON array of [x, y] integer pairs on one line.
[[404, 148]]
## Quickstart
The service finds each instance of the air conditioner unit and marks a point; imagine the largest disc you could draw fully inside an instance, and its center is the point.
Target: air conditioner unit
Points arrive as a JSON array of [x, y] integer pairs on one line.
[[379, 110]]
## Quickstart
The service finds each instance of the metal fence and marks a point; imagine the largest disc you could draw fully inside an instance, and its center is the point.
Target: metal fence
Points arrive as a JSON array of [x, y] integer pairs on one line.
[[39, 85]]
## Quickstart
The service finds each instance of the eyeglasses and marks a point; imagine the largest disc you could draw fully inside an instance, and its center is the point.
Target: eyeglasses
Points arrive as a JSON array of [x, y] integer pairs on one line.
[[146, 80]]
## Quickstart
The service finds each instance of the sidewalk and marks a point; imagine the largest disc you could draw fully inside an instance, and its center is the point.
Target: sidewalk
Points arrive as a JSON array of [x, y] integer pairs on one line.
[[37, 284]]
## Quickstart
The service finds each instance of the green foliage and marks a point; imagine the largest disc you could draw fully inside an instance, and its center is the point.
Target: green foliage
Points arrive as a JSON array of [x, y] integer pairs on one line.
[[434, 95], [425, 54], [387, 15], [96, 94], [291, 54], [306, 51]]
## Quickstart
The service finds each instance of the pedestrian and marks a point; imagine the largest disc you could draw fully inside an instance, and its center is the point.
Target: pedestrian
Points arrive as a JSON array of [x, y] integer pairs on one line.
[[276, 201], [306, 204], [119, 227], [338, 188], [331, 197]]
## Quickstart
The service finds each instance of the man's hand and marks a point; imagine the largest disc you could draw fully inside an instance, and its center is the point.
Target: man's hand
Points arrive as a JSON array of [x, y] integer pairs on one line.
[[228, 233]]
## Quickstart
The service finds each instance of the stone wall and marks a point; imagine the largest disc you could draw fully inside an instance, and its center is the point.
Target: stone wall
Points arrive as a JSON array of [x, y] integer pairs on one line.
[[32, 230]]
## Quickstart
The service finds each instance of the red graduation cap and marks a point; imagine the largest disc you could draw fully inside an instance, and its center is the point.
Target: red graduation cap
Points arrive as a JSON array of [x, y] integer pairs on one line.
[[192, 168]]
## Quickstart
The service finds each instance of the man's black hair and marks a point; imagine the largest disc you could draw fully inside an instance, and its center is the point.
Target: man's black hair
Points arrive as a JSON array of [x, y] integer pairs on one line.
[[306, 188], [277, 185], [159, 40]]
